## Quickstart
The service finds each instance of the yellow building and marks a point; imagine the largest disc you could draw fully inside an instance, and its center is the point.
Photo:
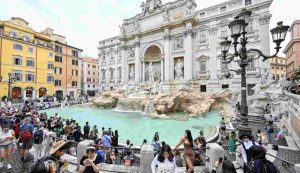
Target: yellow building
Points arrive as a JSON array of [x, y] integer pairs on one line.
[[278, 68], [29, 56]]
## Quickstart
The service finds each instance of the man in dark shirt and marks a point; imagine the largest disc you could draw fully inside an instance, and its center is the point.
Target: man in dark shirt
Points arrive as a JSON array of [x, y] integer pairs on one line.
[[77, 134]]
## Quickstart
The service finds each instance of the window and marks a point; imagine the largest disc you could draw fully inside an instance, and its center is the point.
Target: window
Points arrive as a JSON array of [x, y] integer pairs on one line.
[[75, 53], [202, 36], [18, 47], [74, 62], [58, 70], [57, 82], [74, 72], [103, 74], [93, 80], [202, 88], [111, 74], [50, 65], [50, 78], [88, 80], [203, 66], [58, 59], [29, 77], [58, 48], [30, 62], [225, 86], [89, 72], [249, 28], [251, 66], [74, 83], [17, 60], [224, 31], [13, 34], [30, 49], [94, 86], [94, 73], [223, 9], [88, 65], [18, 75], [26, 38], [50, 54], [120, 73], [94, 66], [248, 2], [89, 86]]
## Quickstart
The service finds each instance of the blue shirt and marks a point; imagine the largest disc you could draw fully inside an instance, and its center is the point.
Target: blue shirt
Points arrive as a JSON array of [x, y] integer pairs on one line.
[[106, 140], [102, 154], [156, 145], [26, 125]]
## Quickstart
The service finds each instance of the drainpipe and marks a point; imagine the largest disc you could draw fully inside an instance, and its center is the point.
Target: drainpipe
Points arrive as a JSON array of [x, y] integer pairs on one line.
[[36, 72]]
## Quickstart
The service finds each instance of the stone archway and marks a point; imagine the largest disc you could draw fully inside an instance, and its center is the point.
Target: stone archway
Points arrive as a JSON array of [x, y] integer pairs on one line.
[[153, 68]]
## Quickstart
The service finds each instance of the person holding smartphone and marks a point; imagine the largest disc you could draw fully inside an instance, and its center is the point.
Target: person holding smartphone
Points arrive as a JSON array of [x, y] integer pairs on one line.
[[6, 145], [91, 162]]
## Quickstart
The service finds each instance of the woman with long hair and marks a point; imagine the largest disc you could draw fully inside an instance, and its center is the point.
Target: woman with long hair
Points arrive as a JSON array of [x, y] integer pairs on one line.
[[156, 135], [232, 142], [164, 161], [187, 142]]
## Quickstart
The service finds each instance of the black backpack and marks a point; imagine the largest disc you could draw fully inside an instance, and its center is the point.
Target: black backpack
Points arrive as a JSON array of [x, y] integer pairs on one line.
[[38, 137], [41, 165]]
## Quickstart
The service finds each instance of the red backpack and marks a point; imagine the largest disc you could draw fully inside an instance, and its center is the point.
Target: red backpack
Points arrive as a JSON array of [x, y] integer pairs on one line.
[[26, 133]]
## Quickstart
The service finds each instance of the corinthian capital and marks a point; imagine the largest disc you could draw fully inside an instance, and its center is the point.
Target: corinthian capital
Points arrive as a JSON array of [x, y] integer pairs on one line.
[[265, 19]]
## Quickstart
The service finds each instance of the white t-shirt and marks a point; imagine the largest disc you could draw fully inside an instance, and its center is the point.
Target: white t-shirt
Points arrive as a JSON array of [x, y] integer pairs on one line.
[[4, 135], [163, 167]]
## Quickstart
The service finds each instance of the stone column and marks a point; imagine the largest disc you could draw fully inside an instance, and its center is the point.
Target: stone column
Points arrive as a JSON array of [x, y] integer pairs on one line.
[[162, 70], [137, 61], [116, 66], [167, 55], [147, 155], [107, 74], [81, 150], [123, 52], [214, 152], [264, 33], [143, 72], [188, 57]]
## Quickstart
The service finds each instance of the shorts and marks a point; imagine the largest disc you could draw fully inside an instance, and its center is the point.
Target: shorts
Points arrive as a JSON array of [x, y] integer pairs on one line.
[[10, 145], [27, 144]]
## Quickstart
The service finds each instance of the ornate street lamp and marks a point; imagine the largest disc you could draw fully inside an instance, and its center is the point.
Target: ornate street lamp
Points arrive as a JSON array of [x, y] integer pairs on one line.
[[11, 80], [238, 34]]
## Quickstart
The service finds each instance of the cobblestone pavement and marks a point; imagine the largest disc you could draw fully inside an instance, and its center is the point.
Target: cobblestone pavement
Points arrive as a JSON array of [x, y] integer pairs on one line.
[[17, 165]]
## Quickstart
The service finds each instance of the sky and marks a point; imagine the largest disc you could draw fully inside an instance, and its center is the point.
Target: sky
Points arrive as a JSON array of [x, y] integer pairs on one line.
[[86, 22]]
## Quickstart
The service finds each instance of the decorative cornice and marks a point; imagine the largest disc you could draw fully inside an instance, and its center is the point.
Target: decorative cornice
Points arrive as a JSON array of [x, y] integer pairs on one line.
[[167, 37]]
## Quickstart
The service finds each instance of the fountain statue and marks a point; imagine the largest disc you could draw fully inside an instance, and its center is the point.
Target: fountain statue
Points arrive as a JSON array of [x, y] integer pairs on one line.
[[151, 72], [179, 69]]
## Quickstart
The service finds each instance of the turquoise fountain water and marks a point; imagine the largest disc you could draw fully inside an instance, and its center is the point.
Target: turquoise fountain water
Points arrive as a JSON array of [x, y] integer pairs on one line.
[[136, 127]]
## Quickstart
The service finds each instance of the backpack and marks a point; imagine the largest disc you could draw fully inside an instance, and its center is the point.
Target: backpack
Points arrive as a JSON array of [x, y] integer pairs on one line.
[[40, 165], [26, 133], [38, 137]]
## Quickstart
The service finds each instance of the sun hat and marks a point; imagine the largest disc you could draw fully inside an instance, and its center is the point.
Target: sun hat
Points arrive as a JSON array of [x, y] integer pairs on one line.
[[58, 145]]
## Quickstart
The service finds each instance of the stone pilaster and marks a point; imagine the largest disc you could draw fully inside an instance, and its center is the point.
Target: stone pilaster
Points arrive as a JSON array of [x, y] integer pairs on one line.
[[264, 33], [137, 61], [167, 55], [123, 52], [116, 52], [213, 60], [188, 57], [107, 74]]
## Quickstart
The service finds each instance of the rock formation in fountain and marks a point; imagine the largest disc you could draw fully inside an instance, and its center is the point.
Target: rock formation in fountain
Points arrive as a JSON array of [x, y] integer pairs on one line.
[[269, 91], [108, 99], [187, 101]]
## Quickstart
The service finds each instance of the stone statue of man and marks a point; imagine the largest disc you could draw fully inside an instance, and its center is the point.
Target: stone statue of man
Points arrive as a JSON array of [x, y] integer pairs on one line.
[[179, 69], [151, 72], [132, 72]]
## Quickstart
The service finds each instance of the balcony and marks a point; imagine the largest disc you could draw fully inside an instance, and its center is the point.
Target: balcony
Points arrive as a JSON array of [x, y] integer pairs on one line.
[[253, 71], [203, 75]]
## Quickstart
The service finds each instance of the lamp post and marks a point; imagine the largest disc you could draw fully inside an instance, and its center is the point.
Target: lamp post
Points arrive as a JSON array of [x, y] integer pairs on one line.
[[239, 36], [11, 80]]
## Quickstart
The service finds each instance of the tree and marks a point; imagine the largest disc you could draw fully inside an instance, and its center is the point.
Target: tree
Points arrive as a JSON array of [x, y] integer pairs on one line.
[[296, 75]]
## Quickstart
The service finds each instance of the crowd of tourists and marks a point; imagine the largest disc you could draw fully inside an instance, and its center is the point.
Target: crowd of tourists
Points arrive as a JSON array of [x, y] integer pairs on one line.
[[25, 127]]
